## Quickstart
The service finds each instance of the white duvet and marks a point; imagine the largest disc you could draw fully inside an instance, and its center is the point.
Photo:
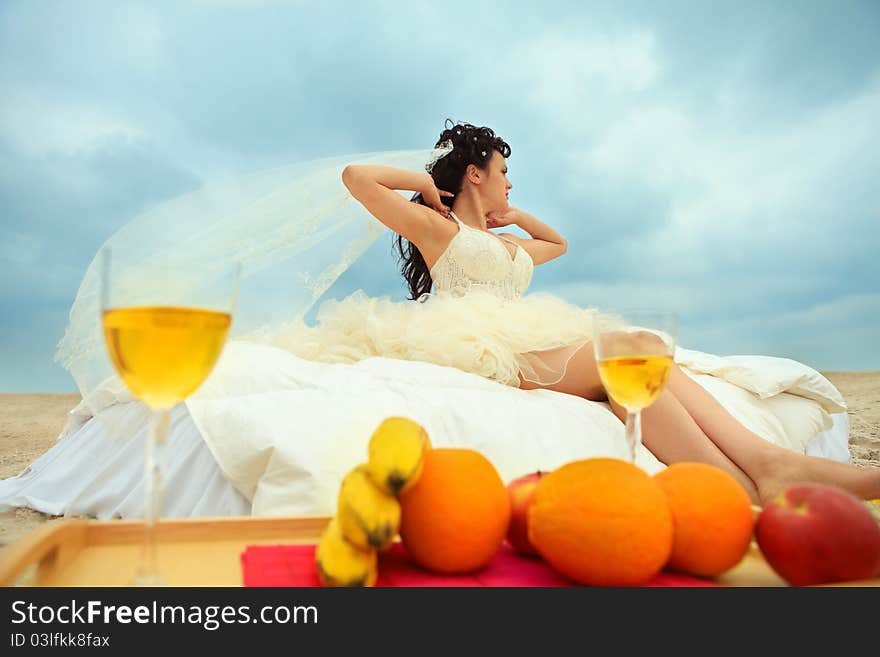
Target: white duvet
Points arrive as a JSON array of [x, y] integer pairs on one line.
[[272, 434], [284, 430]]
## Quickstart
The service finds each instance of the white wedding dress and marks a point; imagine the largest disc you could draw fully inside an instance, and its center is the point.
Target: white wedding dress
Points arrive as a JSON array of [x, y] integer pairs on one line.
[[286, 413]]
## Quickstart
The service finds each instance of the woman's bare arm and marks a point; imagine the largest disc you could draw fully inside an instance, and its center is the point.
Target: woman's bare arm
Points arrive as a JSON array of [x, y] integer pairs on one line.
[[546, 243], [374, 187]]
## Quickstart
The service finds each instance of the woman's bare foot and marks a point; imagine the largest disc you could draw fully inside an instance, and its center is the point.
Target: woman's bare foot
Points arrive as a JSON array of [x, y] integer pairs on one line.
[[799, 468]]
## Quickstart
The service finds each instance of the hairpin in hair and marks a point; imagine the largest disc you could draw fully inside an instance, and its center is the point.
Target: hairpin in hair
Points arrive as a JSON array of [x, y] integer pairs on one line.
[[438, 154]]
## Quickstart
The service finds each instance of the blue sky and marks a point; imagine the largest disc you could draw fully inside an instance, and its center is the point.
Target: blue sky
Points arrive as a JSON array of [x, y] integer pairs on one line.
[[718, 159]]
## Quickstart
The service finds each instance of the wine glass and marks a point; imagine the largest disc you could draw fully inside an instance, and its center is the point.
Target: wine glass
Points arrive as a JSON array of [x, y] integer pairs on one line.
[[165, 324], [634, 362]]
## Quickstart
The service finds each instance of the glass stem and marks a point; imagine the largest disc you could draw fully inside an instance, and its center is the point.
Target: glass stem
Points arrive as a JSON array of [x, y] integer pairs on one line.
[[156, 439], [633, 433]]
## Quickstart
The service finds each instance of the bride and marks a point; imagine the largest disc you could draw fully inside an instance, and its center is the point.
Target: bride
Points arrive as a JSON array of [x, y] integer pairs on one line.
[[472, 356]]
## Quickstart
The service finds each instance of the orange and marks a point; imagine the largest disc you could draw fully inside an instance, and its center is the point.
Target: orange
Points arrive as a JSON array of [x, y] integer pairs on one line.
[[602, 522], [455, 517], [712, 515]]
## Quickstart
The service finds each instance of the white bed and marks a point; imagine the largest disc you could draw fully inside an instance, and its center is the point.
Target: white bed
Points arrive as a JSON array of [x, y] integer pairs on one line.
[[272, 434]]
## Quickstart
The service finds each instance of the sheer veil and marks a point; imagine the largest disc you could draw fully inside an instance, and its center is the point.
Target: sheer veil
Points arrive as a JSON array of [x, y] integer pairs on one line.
[[294, 230]]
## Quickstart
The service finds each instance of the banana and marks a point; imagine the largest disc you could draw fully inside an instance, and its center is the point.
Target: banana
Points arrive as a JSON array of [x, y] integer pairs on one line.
[[396, 453], [368, 513], [339, 563], [368, 516]]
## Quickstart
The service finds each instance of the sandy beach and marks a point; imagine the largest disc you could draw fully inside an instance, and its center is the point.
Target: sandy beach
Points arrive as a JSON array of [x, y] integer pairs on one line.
[[30, 424]]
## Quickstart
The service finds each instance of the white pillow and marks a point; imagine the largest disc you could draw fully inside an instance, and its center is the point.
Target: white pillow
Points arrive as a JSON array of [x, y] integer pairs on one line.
[[787, 420], [766, 376]]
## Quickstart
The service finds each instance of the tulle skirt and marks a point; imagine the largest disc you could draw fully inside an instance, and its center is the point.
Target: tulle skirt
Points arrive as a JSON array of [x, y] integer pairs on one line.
[[530, 338]]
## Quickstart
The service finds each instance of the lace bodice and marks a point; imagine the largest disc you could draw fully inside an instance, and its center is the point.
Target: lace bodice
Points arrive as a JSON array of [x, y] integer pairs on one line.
[[477, 259]]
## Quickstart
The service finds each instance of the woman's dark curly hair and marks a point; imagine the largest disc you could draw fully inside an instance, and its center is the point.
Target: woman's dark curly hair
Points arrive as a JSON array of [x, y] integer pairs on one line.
[[469, 143]]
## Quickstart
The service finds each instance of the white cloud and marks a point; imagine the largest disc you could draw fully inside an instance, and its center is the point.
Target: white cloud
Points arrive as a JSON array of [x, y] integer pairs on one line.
[[19, 249], [825, 335], [37, 125], [744, 188], [247, 4], [135, 32], [709, 297], [715, 173], [577, 79], [557, 61], [822, 333]]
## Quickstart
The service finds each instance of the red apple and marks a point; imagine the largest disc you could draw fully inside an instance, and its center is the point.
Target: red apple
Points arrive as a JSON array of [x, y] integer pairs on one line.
[[816, 534], [520, 491]]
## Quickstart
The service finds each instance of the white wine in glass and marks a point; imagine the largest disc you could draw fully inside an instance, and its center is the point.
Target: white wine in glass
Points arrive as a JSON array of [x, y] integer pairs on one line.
[[164, 333], [634, 363], [163, 353]]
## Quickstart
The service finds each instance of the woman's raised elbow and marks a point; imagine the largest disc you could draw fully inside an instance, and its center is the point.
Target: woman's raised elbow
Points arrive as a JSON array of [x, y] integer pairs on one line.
[[349, 173], [352, 175]]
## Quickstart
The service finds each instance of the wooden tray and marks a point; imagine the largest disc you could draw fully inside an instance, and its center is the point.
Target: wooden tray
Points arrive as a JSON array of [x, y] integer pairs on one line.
[[204, 552]]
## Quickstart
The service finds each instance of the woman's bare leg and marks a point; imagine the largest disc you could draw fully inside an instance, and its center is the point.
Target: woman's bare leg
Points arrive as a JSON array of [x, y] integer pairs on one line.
[[666, 418], [686, 423], [771, 467], [671, 435]]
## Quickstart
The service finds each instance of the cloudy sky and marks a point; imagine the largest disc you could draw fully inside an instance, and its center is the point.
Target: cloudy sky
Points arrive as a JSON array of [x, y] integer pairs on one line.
[[717, 159]]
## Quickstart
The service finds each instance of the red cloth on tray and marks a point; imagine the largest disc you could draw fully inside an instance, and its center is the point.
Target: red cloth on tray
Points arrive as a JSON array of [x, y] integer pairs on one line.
[[294, 565]]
